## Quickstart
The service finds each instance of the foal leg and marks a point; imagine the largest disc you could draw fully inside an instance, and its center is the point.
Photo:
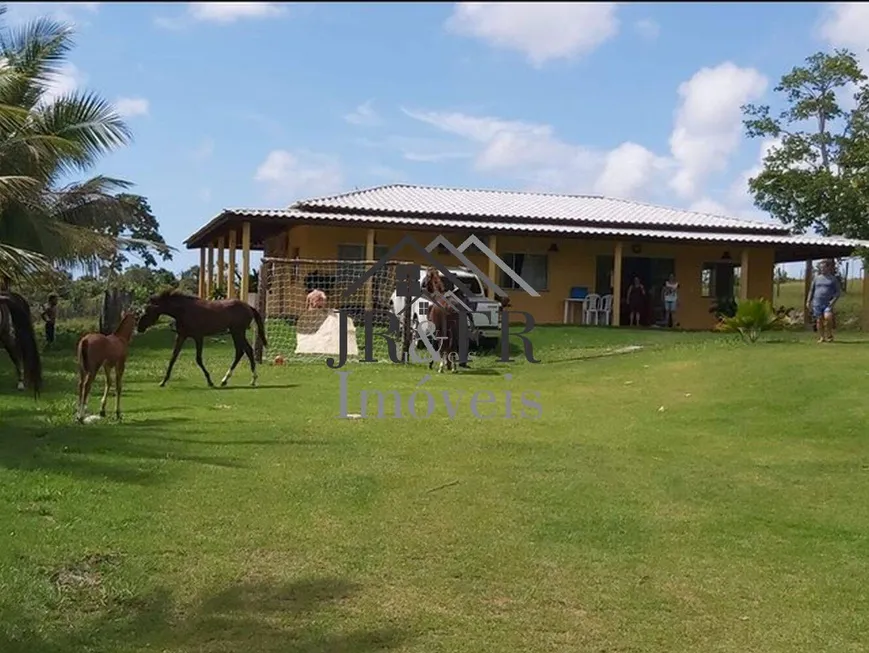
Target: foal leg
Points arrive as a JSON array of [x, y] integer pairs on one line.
[[106, 391], [89, 381], [239, 352], [179, 342], [198, 341], [82, 377]]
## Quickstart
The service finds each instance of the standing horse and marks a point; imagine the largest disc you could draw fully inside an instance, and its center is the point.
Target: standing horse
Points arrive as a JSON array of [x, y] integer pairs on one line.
[[21, 347], [94, 350], [446, 318], [197, 318]]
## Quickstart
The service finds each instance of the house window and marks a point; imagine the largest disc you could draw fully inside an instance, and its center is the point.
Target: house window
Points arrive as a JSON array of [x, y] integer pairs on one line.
[[533, 268], [719, 280], [347, 253]]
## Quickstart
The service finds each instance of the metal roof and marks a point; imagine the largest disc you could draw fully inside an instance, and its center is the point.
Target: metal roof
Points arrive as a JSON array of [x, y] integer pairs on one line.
[[487, 226], [409, 200]]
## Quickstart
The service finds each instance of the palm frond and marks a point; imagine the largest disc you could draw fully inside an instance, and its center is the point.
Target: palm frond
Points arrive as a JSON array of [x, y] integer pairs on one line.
[[86, 119], [38, 52], [17, 264]]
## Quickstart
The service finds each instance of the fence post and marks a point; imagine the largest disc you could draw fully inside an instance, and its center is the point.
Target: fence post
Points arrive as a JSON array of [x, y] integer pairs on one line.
[[262, 285]]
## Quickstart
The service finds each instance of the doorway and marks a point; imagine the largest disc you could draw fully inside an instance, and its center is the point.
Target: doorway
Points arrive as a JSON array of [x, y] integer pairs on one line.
[[653, 273]]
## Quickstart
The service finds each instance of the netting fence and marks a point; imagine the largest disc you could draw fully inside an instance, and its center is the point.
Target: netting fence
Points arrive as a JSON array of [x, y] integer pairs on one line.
[[302, 328]]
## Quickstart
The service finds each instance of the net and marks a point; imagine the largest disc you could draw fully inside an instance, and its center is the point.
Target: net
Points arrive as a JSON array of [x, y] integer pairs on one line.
[[302, 302]]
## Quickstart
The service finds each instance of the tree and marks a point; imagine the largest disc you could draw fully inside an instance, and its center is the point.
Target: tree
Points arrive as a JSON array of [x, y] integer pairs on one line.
[[44, 140], [781, 276], [141, 228], [188, 281], [816, 174]]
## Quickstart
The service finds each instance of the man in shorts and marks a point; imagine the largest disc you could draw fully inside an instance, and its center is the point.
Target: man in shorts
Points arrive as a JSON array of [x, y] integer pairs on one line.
[[823, 295]]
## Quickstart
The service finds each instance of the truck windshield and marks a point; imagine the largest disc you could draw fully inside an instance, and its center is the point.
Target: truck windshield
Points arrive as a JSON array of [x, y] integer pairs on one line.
[[472, 283]]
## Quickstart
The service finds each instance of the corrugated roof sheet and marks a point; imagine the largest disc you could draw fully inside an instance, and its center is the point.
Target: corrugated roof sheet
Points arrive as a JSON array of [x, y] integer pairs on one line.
[[543, 228], [403, 199]]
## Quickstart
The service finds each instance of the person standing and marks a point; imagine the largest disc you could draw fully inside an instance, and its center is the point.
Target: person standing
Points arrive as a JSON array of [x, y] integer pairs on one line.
[[670, 295], [636, 300], [823, 295], [49, 315]]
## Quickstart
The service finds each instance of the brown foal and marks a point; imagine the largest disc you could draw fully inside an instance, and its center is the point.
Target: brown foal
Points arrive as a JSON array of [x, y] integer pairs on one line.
[[94, 351]]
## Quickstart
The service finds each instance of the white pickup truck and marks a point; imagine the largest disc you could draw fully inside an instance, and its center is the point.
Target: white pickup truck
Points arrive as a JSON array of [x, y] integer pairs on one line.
[[486, 316]]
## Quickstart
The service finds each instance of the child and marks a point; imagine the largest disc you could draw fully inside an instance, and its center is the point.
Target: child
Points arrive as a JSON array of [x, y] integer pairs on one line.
[[49, 314]]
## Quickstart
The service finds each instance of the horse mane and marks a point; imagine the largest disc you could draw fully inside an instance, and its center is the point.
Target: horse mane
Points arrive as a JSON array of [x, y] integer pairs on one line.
[[170, 294]]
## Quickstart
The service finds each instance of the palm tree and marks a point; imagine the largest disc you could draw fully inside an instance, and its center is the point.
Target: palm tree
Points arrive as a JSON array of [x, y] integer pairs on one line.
[[44, 140]]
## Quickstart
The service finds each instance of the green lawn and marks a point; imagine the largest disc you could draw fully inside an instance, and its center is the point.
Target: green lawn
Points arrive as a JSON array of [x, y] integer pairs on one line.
[[696, 495]]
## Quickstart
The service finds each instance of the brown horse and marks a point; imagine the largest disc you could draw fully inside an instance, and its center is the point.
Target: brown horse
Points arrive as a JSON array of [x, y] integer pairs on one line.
[[446, 318], [21, 347], [95, 351], [197, 318]]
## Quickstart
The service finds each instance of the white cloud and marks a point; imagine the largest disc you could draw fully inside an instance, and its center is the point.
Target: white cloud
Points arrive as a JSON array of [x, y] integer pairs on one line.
[[290, 175], [222, 13], [534, 154], [627, 171], [543, 31], [364, 114], [648, 29], [66, 80], [132, 106], [229, 12], [708, 125], [846, 25]]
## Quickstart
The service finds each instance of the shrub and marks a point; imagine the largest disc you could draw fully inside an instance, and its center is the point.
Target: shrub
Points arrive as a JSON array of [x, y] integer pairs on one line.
[[752, 317]]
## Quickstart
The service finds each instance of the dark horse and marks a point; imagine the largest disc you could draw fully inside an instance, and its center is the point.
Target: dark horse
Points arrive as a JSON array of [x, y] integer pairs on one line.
[[446, 318], [22, 348], [197, 318]]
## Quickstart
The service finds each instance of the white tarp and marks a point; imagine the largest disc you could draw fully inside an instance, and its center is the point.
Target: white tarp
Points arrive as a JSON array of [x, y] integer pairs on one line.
[[326, 338]]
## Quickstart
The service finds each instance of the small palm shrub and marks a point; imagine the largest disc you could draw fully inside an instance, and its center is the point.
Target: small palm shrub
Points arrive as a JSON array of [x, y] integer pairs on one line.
[[752, 317]]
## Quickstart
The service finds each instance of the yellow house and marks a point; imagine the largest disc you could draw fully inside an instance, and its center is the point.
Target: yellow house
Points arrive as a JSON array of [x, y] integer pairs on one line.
[[566, 247]]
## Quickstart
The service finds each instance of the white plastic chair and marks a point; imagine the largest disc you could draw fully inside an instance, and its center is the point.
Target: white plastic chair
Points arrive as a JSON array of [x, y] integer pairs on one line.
[[590, 308], [605, 307]]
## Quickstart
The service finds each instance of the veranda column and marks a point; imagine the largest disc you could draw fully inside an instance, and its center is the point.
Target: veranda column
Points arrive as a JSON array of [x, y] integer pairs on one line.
[[493, 269], [864, 314], [202, 273], [230, 282], [617, 285], [209, 275], [807, 315], [743, 275], [245, 261], [221, 264], [369, 258]]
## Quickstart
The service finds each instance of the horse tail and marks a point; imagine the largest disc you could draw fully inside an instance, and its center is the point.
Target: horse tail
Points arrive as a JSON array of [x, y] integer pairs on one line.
[[83, 363], [25, 338], [261, 330]]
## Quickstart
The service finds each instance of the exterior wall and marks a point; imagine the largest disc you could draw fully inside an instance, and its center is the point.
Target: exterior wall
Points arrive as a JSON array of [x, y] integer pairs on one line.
[[574, 264]]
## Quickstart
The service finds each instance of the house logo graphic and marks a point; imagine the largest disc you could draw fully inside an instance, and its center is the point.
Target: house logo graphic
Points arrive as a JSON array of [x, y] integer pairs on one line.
[[408, 286], [458, 252]]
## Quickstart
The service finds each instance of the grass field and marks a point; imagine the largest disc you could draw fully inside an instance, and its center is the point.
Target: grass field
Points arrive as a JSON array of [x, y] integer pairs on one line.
[[696, 495]]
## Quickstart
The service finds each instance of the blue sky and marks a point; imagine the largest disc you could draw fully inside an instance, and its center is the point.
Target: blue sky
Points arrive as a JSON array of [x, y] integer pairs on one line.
[[259, 104]]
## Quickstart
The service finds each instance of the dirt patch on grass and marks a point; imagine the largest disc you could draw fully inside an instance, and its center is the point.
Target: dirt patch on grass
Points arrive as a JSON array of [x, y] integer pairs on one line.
[[83, 581]]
